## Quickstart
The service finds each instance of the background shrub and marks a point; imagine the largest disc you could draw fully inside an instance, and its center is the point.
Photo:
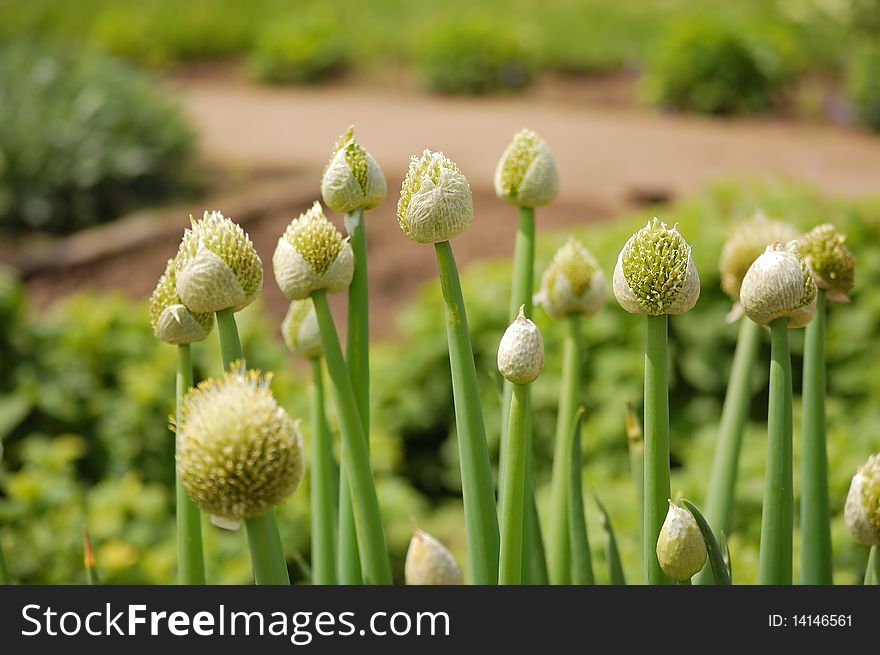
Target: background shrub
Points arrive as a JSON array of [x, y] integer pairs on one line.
[[82, 139], [864, 86], [474, 57], [713, 66]]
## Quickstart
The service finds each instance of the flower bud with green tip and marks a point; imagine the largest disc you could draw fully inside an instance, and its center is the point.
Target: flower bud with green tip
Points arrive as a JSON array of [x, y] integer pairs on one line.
[[240, 454], [300, 329], [312, 255], [779, 285], [573, 283], [862, 510], [435, 199], [526, 173], [352, 179], [833, 265], [747, 241], [428, 562], [655, 273], [217, 266], [681, 548], [172, 322], [521, 351]]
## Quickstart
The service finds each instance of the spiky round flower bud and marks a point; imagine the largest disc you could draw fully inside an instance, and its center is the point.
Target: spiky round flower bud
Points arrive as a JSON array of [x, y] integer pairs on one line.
[[655, 273], [300, 329], [833, 265], [172, 322], [435, 199], [779, 285], [526, 173], [239, 454], [521, 351], [312, 255], [352, 179], [428, 562], [747, 241], [573, 283], [862, 509], [217, 266], [681, 549]]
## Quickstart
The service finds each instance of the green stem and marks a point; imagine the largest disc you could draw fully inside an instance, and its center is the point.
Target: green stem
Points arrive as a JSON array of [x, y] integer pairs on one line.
[[514, 494], [190, 555], [322, 487], [481, 520], [656, 429], [872, 572], [612, 553], [635, 440], [357, 356], [774, 562], [569, 394], [815, 511], [355, 454], [5, 578], [266, 557], [581, 559], [534, 570], [270, 539]]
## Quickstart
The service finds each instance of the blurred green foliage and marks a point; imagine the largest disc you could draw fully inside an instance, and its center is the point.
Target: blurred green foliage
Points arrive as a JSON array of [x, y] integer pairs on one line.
[[864, 85], [82, 410], [82, 139]]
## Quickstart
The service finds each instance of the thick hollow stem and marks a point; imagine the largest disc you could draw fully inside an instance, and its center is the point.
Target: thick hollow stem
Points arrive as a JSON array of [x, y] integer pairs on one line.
[[190, 555], [356, 456], [774, 565], [323, 484], [656, 427], [535, 567], [581, 559], [559, 563], [815, 512], [513, 500], [481, 520], [231, 351], [266, 558], [734, 415], [349, 557], [872, 572]]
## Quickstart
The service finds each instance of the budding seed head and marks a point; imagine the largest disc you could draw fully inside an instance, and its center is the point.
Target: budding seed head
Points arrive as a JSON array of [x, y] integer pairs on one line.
[[655, 273], [681, 548], [862, 509], [526, 173], [521, 351], [779, 285], [172, 322], [747, 241], [428, 562], [217, 266], [311, 255], [573, 283], [833, 265], [239, 454], [300, 329], [435, 200], [352, 179]]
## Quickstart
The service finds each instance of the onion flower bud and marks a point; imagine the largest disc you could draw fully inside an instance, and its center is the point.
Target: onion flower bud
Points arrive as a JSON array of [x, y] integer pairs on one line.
[[352, 179], [526, 173], [681, 548], [428, 562], [833, 265], [862, 509], [172, 322], [521, 351], [573, 283], [779, 285], [300, 329]]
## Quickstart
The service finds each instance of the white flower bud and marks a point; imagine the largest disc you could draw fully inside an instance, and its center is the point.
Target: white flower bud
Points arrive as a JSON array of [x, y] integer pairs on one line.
[[526, 173], [779, 285], [681, 548], [833, 265], [862, 509], [172, 322], [521, 351], [573, 283], [435, 200], [428, 562], [312, 255], [352, 179], [300, 329]]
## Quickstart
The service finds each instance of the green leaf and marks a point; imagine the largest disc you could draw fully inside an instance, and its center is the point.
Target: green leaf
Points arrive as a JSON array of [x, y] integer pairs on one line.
[[716, 559]]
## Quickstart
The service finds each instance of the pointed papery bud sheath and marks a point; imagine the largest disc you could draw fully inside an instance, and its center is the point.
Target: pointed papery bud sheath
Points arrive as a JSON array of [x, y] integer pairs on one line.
[[312, 255], [833, 265], [862, 510], [217, 266], [435, 200], [352, 179], [521, 351], [746, 243], [428, 562], [172, 322], [779, 285], [681, 548], [239, 453], [300, 329], [655, 273], [526, 173], [573, 283]]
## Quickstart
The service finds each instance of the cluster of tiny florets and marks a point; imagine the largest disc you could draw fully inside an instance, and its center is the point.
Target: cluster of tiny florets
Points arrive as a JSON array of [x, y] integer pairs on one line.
[[315, 238], [833, 265], [655, 264], [430, 165], [519, 157], [190, 326]]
